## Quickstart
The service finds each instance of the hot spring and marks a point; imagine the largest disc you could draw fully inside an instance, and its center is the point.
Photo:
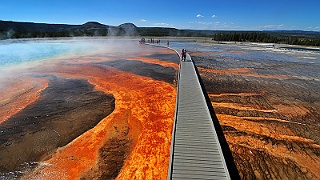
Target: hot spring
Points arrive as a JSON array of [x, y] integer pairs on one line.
[[85, 108]]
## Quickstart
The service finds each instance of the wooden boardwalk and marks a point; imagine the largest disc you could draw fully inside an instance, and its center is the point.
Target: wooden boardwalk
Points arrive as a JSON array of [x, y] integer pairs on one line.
[[195, 150]]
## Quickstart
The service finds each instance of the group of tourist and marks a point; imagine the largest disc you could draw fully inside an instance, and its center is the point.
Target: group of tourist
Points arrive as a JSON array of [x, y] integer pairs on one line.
[[153, 41]]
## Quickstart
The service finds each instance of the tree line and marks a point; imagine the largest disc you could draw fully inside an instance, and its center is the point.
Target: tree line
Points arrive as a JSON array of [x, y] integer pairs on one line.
[[10, 29], [285, 38]]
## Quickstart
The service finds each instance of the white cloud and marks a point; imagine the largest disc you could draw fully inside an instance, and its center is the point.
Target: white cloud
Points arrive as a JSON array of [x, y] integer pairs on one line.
[[311, 28], [161, 24], [272, 26], [213, 16], [143, 20], [199, 16], [201, 22]]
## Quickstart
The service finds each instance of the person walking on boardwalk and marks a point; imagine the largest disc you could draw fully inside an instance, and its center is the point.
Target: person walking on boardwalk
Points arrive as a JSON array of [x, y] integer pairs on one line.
[[182, 55]]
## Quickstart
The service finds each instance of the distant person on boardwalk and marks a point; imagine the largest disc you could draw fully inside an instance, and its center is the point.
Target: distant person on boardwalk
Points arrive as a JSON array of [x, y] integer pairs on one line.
[[183, 55], [168, 43]]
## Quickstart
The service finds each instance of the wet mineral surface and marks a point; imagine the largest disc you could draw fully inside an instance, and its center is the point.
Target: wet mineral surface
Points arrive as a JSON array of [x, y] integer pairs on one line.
[[267, 102], [105, 114]]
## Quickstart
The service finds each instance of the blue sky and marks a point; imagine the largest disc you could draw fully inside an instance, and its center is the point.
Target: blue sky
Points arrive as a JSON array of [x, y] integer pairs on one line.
[[181, 14]]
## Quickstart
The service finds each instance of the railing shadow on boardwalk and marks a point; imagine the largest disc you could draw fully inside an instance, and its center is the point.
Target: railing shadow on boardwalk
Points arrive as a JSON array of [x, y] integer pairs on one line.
[[233, 171]]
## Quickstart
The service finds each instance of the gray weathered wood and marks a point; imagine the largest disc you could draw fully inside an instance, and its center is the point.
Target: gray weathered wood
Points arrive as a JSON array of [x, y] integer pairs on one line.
[[196, 152]]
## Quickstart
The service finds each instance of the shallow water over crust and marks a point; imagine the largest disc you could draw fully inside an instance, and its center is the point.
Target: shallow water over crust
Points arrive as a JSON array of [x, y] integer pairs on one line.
[[65, 109], [67, 132], [267, 103]]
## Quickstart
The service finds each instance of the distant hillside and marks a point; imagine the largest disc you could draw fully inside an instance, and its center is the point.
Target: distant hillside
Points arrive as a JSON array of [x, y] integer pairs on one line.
[[10, 29]]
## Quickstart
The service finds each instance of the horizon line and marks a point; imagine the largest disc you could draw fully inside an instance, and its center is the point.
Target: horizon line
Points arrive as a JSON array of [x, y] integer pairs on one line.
[[261, 30]]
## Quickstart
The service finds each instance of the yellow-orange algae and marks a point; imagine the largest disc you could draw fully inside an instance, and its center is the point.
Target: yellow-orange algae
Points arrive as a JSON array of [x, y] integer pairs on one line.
[[149, 102], [269, 130], [157, 61], [244, 72], [18, 93]]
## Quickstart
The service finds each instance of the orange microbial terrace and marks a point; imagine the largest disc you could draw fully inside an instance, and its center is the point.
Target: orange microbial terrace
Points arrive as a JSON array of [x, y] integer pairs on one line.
[[269, 116], [26, 89], [133, 142], [244, 72]]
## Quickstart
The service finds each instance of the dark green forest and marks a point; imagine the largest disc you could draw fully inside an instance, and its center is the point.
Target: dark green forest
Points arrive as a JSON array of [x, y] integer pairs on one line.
[[292, 38]]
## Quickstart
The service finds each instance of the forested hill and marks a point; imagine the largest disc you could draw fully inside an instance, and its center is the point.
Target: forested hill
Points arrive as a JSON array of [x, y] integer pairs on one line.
[[309, 38], [10, 29]]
